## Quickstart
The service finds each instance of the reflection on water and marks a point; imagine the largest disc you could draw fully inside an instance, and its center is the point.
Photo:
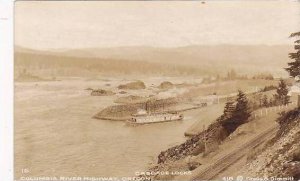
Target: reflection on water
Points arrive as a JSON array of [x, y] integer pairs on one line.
[[56, 136]]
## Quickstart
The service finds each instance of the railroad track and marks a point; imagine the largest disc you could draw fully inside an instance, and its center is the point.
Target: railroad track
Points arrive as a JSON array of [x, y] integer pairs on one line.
[[220, 165]]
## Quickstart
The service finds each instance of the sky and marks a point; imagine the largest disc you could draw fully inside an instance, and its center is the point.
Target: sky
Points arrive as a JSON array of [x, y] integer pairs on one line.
[[82, 24]]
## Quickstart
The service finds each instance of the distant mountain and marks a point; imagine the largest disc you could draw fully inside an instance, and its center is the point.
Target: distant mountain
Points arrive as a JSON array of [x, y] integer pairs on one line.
[[248, 59], [51, 64]]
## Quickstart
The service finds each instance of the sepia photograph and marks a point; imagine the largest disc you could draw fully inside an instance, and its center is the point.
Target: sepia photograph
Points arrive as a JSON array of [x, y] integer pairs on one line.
[[156, 90]]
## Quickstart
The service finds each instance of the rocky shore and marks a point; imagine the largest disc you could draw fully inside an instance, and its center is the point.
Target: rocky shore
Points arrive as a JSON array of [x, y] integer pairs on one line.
[[205, 141]]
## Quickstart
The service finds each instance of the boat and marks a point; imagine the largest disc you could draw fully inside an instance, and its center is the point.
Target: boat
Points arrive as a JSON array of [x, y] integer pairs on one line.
[[146, 116], [154, 118]]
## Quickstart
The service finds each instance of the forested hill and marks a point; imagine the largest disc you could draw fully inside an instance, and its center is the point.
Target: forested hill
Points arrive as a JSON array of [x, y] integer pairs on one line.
[[248, 59], [64, 65]]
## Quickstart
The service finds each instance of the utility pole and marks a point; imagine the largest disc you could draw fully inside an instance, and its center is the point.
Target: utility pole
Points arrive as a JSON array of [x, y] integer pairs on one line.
[[298, 102], [205, 139]]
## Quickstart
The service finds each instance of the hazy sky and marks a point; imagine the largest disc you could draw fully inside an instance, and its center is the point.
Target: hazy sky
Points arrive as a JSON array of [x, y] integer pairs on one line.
[[82, 24]]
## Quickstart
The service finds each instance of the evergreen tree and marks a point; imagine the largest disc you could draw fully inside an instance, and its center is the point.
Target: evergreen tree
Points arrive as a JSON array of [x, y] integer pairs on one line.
[[229, 109], [235, 115], [294, 67], [259, 98], [265, 102], [242, 109], [233, 74], [272, 102], [281, 93]]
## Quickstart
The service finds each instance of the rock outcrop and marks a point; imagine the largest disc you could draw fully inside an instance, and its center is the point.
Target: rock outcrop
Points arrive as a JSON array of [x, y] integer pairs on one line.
[[133, 85], [166, 85], [101, 92]]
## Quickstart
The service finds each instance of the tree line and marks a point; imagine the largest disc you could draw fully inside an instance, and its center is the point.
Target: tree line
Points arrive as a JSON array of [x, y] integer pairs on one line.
[[238, 111]]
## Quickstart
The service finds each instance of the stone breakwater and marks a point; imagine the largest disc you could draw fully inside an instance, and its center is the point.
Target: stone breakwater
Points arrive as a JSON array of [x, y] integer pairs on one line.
[[124, 112]]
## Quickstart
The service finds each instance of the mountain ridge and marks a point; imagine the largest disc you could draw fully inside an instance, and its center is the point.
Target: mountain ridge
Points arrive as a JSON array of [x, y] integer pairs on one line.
[[244, 58]]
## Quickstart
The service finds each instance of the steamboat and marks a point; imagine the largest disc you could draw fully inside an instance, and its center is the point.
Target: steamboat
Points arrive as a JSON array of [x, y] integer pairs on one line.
[[154, 118], [147, 117]]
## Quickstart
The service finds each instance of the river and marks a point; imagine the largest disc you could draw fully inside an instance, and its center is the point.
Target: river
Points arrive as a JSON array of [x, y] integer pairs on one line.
[[55, 134]]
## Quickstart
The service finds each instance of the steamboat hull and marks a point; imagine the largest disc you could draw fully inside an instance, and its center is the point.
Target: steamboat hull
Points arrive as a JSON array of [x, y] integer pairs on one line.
[[156, 118]]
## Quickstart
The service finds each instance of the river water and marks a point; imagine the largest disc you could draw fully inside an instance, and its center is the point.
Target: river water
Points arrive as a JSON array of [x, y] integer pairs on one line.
[[55, 134]]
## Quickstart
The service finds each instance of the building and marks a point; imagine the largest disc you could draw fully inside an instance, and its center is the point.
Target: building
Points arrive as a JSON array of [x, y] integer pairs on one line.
[[295, 89]]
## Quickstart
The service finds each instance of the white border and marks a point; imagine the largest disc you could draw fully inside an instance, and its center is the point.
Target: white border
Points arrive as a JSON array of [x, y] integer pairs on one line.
[[6, 90]]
